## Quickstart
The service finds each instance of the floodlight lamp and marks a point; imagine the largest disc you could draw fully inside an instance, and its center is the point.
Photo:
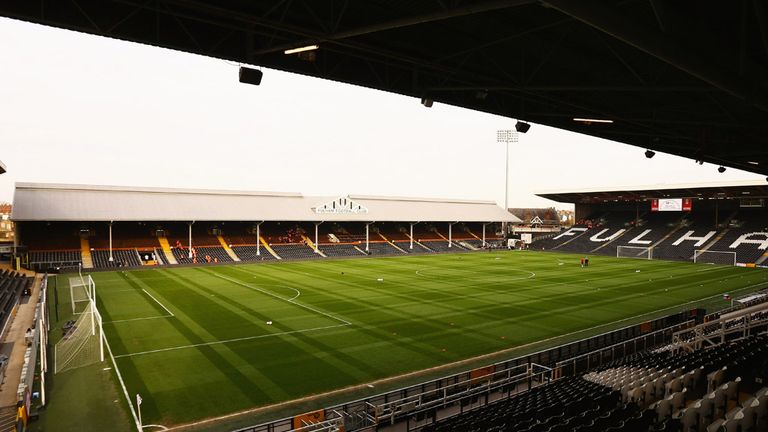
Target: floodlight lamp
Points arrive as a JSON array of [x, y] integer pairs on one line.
[[589, 121], [506, 136], [522, 127], [650, 153], [302, 49]]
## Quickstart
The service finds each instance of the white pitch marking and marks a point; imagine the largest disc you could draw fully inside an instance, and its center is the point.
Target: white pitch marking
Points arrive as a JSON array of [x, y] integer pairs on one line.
[[530, 274], [158, 302], [298, 293], [235, 281], [230, 340], [138, 319], [122, 383]]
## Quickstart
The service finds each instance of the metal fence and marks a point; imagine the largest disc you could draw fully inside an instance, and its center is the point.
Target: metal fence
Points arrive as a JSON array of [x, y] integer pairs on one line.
[[570, 358]]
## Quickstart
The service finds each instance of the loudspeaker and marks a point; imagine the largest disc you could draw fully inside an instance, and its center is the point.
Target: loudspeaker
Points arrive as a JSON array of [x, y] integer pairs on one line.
[[522, 127], [250, 76]]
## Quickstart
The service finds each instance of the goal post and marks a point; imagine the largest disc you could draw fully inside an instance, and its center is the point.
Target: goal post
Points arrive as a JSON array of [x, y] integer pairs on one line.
[[81, 290], [714, 257], [82, 343], [638, 252]]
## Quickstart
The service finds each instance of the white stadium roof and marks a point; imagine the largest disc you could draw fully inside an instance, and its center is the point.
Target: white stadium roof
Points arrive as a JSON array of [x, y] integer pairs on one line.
[[63, 202]]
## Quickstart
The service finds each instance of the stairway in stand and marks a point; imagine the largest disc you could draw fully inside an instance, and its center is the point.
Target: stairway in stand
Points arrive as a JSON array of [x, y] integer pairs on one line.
[[311, 244], [228, 249], [167, 250], [85, 252], [266, 246]]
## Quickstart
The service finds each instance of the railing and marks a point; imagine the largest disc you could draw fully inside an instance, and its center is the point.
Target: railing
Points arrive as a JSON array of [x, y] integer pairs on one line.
[[729, 326], [584, 362], [427, 396]]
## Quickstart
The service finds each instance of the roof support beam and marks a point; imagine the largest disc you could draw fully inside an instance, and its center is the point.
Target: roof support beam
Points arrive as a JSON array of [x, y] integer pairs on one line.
[[469, 9], [600, 16], [762, 21]]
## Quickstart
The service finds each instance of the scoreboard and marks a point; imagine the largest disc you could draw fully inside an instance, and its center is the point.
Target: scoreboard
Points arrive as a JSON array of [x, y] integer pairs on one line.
[[672, 204]]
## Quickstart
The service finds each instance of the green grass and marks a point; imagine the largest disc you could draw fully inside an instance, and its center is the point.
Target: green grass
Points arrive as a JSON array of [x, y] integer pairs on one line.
[[336, 325]]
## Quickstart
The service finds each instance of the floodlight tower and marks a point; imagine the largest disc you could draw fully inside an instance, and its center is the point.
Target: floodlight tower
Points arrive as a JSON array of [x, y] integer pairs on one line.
[[506, 136]]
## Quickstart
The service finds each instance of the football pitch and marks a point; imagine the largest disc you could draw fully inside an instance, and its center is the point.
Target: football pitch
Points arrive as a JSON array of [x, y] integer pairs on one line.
[[201, 342]]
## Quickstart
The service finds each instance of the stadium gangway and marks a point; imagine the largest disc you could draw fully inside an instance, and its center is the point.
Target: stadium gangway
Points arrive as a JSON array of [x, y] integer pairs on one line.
[[735, 325], [597, 357], [500, 382]]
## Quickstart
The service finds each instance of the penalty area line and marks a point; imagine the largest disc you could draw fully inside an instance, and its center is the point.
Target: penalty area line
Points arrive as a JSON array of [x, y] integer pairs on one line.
[[291, 301], [222, 342], [138, 319], [158, 302]]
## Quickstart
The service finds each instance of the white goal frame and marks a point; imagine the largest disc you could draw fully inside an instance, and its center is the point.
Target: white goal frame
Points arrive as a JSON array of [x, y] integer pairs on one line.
[[81, 290], [648, 252], [85, 344], [699, 252]]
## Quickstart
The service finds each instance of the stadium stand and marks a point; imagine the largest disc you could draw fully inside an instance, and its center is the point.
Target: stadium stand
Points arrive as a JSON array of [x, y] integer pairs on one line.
[[340, 249], [381, 248], [752, 223], [442, 246], [12, 284], [649, 230], [673, 236], [417, 248], [212, 254], [44, 260], [295, 251], [720, 388], [249, 253], [121, 258]]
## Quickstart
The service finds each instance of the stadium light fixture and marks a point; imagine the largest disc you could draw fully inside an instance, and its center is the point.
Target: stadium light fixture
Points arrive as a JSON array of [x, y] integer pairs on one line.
[[650, 154], [250, 76], [591, 120], [506, 136], [721, 169], [301, 49], [522, 127]]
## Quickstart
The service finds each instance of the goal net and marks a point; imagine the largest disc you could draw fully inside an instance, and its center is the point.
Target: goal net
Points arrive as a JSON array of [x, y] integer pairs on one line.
[[81, 290], [714, 257], [634, 252], [82, 342]]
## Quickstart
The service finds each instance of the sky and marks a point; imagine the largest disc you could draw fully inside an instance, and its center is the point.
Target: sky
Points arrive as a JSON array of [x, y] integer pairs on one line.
[[76, 108]]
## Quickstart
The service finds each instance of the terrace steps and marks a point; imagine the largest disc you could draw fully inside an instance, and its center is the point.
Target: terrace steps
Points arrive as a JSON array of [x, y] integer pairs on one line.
[[762, 259], [397, 247], [266, 246], [311, 244], [166, 247], [85, 251], [573, 239], [715, 240], [228, 249], [8, 419]]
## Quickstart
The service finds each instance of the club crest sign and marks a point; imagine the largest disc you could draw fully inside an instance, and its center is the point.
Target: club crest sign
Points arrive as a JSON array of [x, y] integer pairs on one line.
[[341, 205]]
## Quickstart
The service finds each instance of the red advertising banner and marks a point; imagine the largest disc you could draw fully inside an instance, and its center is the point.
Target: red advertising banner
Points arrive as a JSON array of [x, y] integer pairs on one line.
[[687, 204]]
